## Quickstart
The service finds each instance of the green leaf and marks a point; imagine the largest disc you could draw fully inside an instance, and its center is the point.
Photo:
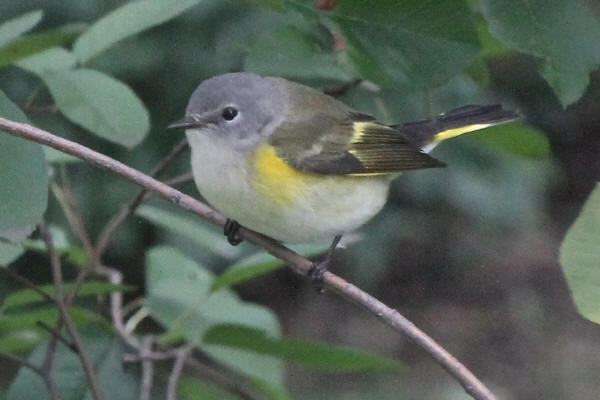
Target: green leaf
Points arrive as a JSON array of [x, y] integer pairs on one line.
[[293, 52], [38, 42], [192, 228], [276, 4], [580, 258], [9, 252], [127, 20], [178, 296], [55, 156], [19, 340], [516, 138], [408, 44], [99, 103], [273, 392], [48, 315], [194, 389], [259, 264], [13, 28], [23, 179], [29, 296], [106, 353], [562, 32], [311, 354], [50, 59]]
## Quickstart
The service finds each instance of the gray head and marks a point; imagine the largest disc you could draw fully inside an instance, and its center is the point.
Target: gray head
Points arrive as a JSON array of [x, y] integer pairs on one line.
[[239, 108]]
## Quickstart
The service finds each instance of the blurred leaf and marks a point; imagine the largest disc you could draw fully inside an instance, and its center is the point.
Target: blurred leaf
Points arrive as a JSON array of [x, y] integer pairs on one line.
[[13, 28], [517, 138], [23, 179], [9, 252], [55, 156], [192, 228], [18, 340], [489, 44], [106, 352], [178, 296], [259, 264], [273, 392], [408, 44], [50, 59], [580, 258], [276, 4], [292, 52], [38, 42], [100, 103], [47, 314], [311, 354], [88, 288], [195, 389], [562, 32], [127, 20]]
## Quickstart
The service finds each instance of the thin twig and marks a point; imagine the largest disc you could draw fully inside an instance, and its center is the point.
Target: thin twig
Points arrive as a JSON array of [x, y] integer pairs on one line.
[[116, 312], [22, 361], [48, 362], [57, 335], [27, 283], [110, 229], [86, 362], [72, 209], [113, 224], [116, 306], [46, 369], [32, 96], [238, 387], [147, 368], [182, 355], [391, 317], [177, 180]]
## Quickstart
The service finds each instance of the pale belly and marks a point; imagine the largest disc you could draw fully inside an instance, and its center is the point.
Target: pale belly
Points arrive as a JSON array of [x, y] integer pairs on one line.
[[320, 208]]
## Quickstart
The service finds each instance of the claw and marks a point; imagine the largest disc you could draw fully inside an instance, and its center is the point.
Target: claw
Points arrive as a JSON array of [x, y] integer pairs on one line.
[[318, 269], [231, 230]]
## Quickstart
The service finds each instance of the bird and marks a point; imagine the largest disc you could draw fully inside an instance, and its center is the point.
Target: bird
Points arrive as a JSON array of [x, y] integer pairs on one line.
[[298, 165]]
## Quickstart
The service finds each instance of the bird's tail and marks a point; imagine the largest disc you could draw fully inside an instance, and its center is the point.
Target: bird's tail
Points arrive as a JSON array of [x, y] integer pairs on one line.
[[454, 123]]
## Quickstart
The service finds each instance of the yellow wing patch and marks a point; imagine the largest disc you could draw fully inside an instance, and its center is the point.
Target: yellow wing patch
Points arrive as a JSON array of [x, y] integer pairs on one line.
[[277, 180]]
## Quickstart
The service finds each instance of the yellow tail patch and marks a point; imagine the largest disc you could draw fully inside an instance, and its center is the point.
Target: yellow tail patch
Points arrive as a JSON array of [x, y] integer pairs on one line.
[[277, 180], [450, 133]]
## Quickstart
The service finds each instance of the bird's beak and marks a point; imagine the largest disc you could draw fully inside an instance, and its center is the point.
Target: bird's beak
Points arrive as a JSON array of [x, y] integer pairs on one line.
[[185, 122]]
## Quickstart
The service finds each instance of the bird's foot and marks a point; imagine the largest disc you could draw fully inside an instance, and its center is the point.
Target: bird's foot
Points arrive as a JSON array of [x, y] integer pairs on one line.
[[231, 230], [318, 269]]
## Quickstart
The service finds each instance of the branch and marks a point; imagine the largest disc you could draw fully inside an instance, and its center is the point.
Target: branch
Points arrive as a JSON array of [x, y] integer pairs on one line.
[[147, 368], [27, 283], [113, 224], [56, 335], [23, 362], [182, 355], [299, 264], [86, 362]]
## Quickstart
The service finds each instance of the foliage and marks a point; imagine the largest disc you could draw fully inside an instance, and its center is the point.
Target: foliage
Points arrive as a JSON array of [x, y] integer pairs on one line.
[[580, 258], [414, 59]]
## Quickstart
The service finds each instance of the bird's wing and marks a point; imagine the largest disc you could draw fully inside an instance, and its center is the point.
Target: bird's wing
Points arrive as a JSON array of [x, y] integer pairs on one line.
[[353, 145]]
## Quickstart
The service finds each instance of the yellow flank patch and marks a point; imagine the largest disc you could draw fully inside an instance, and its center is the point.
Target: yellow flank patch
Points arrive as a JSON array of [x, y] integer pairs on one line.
[[450, 133], [277, 180]]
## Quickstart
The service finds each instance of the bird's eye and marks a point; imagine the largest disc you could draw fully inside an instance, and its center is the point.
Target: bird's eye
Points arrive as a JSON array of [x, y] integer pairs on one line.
[[229, 113]]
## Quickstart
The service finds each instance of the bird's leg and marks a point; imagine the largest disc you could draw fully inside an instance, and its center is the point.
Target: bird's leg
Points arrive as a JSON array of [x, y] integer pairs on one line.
[[230, 230], [318, 269]]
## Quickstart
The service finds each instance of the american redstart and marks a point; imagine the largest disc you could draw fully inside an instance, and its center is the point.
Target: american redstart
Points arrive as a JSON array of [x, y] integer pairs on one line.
[[298, 165]]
